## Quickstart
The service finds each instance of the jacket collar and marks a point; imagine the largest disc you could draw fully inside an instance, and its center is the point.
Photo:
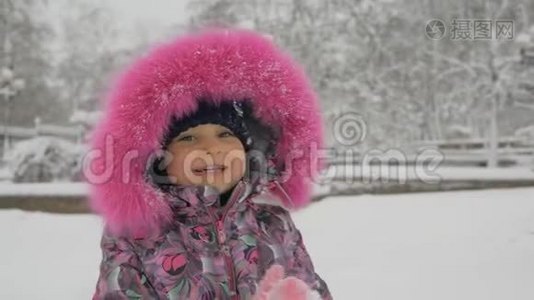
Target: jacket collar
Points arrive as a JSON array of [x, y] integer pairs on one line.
[[181, 196]]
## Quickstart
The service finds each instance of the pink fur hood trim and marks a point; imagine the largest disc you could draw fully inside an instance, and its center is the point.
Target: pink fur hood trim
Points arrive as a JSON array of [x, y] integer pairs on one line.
[[217, 64]]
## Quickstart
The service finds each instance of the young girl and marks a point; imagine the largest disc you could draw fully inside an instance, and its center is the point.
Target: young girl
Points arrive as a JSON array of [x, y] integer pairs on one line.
[[204, 146]]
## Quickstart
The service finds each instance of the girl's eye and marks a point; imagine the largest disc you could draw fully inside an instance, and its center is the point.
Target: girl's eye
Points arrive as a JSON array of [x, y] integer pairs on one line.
[[226, 134], [186, 138]]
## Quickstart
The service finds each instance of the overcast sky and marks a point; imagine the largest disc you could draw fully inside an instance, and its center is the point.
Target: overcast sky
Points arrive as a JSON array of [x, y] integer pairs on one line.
[[154, 17], [158, 12]]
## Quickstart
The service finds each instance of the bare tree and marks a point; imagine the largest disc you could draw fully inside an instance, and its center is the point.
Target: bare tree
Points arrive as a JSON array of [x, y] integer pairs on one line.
[[23, 51], [374, 57]]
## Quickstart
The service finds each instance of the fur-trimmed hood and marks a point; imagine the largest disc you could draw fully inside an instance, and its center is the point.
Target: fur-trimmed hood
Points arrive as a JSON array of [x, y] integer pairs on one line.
[[218, 64]]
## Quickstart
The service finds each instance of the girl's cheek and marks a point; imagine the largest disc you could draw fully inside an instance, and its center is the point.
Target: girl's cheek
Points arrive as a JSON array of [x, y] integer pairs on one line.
[[177, 170], [239, 165]]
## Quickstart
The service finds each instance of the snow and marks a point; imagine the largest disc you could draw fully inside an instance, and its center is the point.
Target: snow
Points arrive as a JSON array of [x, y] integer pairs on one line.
[[451, 173], [5, 174], [527, 132], [89, 118], [449, 245], [427, 173], [44, 158], [48, 256], [44, 189]]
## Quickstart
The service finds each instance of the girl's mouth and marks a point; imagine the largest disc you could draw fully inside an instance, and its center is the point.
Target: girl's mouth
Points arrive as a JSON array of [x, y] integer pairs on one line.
[[209, 170]]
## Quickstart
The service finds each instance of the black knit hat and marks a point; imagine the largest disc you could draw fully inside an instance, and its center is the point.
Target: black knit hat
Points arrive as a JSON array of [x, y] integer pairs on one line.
[[230, 114]]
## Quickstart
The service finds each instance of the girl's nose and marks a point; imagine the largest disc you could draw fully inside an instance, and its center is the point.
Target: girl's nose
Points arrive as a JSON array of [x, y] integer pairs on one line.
[[211, 147], [213, 151]]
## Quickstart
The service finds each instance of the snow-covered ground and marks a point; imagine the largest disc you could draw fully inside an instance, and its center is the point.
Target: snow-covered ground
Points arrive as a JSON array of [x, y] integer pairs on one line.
[[77, 189], [427, 174], [449, 245], [372, 174]]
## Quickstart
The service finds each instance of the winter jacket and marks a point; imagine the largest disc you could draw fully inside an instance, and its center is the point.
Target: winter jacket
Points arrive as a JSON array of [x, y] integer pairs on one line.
[[179, 243], [207, 252]]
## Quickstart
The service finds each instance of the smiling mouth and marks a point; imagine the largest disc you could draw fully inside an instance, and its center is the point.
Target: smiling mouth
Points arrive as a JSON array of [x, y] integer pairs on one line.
[[209, 169]]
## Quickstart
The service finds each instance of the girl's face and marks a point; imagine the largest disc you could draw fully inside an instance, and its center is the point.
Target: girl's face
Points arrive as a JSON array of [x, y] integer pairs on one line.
[[208, 154]]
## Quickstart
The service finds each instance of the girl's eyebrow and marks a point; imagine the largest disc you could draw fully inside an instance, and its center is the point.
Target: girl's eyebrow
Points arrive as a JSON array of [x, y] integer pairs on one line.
[[186, 133], [181, 135]]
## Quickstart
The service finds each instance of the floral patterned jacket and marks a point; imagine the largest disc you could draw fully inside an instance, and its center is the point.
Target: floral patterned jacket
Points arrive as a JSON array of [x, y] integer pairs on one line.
[[207, 252]]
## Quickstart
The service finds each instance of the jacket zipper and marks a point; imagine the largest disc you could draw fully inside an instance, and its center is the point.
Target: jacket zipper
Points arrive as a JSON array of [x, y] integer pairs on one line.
[[221, 238]]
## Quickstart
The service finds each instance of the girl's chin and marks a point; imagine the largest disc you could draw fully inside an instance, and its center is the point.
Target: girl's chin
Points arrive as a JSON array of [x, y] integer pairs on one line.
[[215, 181], [222, 181]]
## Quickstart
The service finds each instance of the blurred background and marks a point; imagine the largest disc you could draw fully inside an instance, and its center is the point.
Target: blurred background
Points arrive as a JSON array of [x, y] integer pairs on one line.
[[403, 75], [427, 96]]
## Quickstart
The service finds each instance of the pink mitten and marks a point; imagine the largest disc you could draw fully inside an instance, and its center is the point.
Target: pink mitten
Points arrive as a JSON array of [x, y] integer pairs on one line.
[[274, 286]]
